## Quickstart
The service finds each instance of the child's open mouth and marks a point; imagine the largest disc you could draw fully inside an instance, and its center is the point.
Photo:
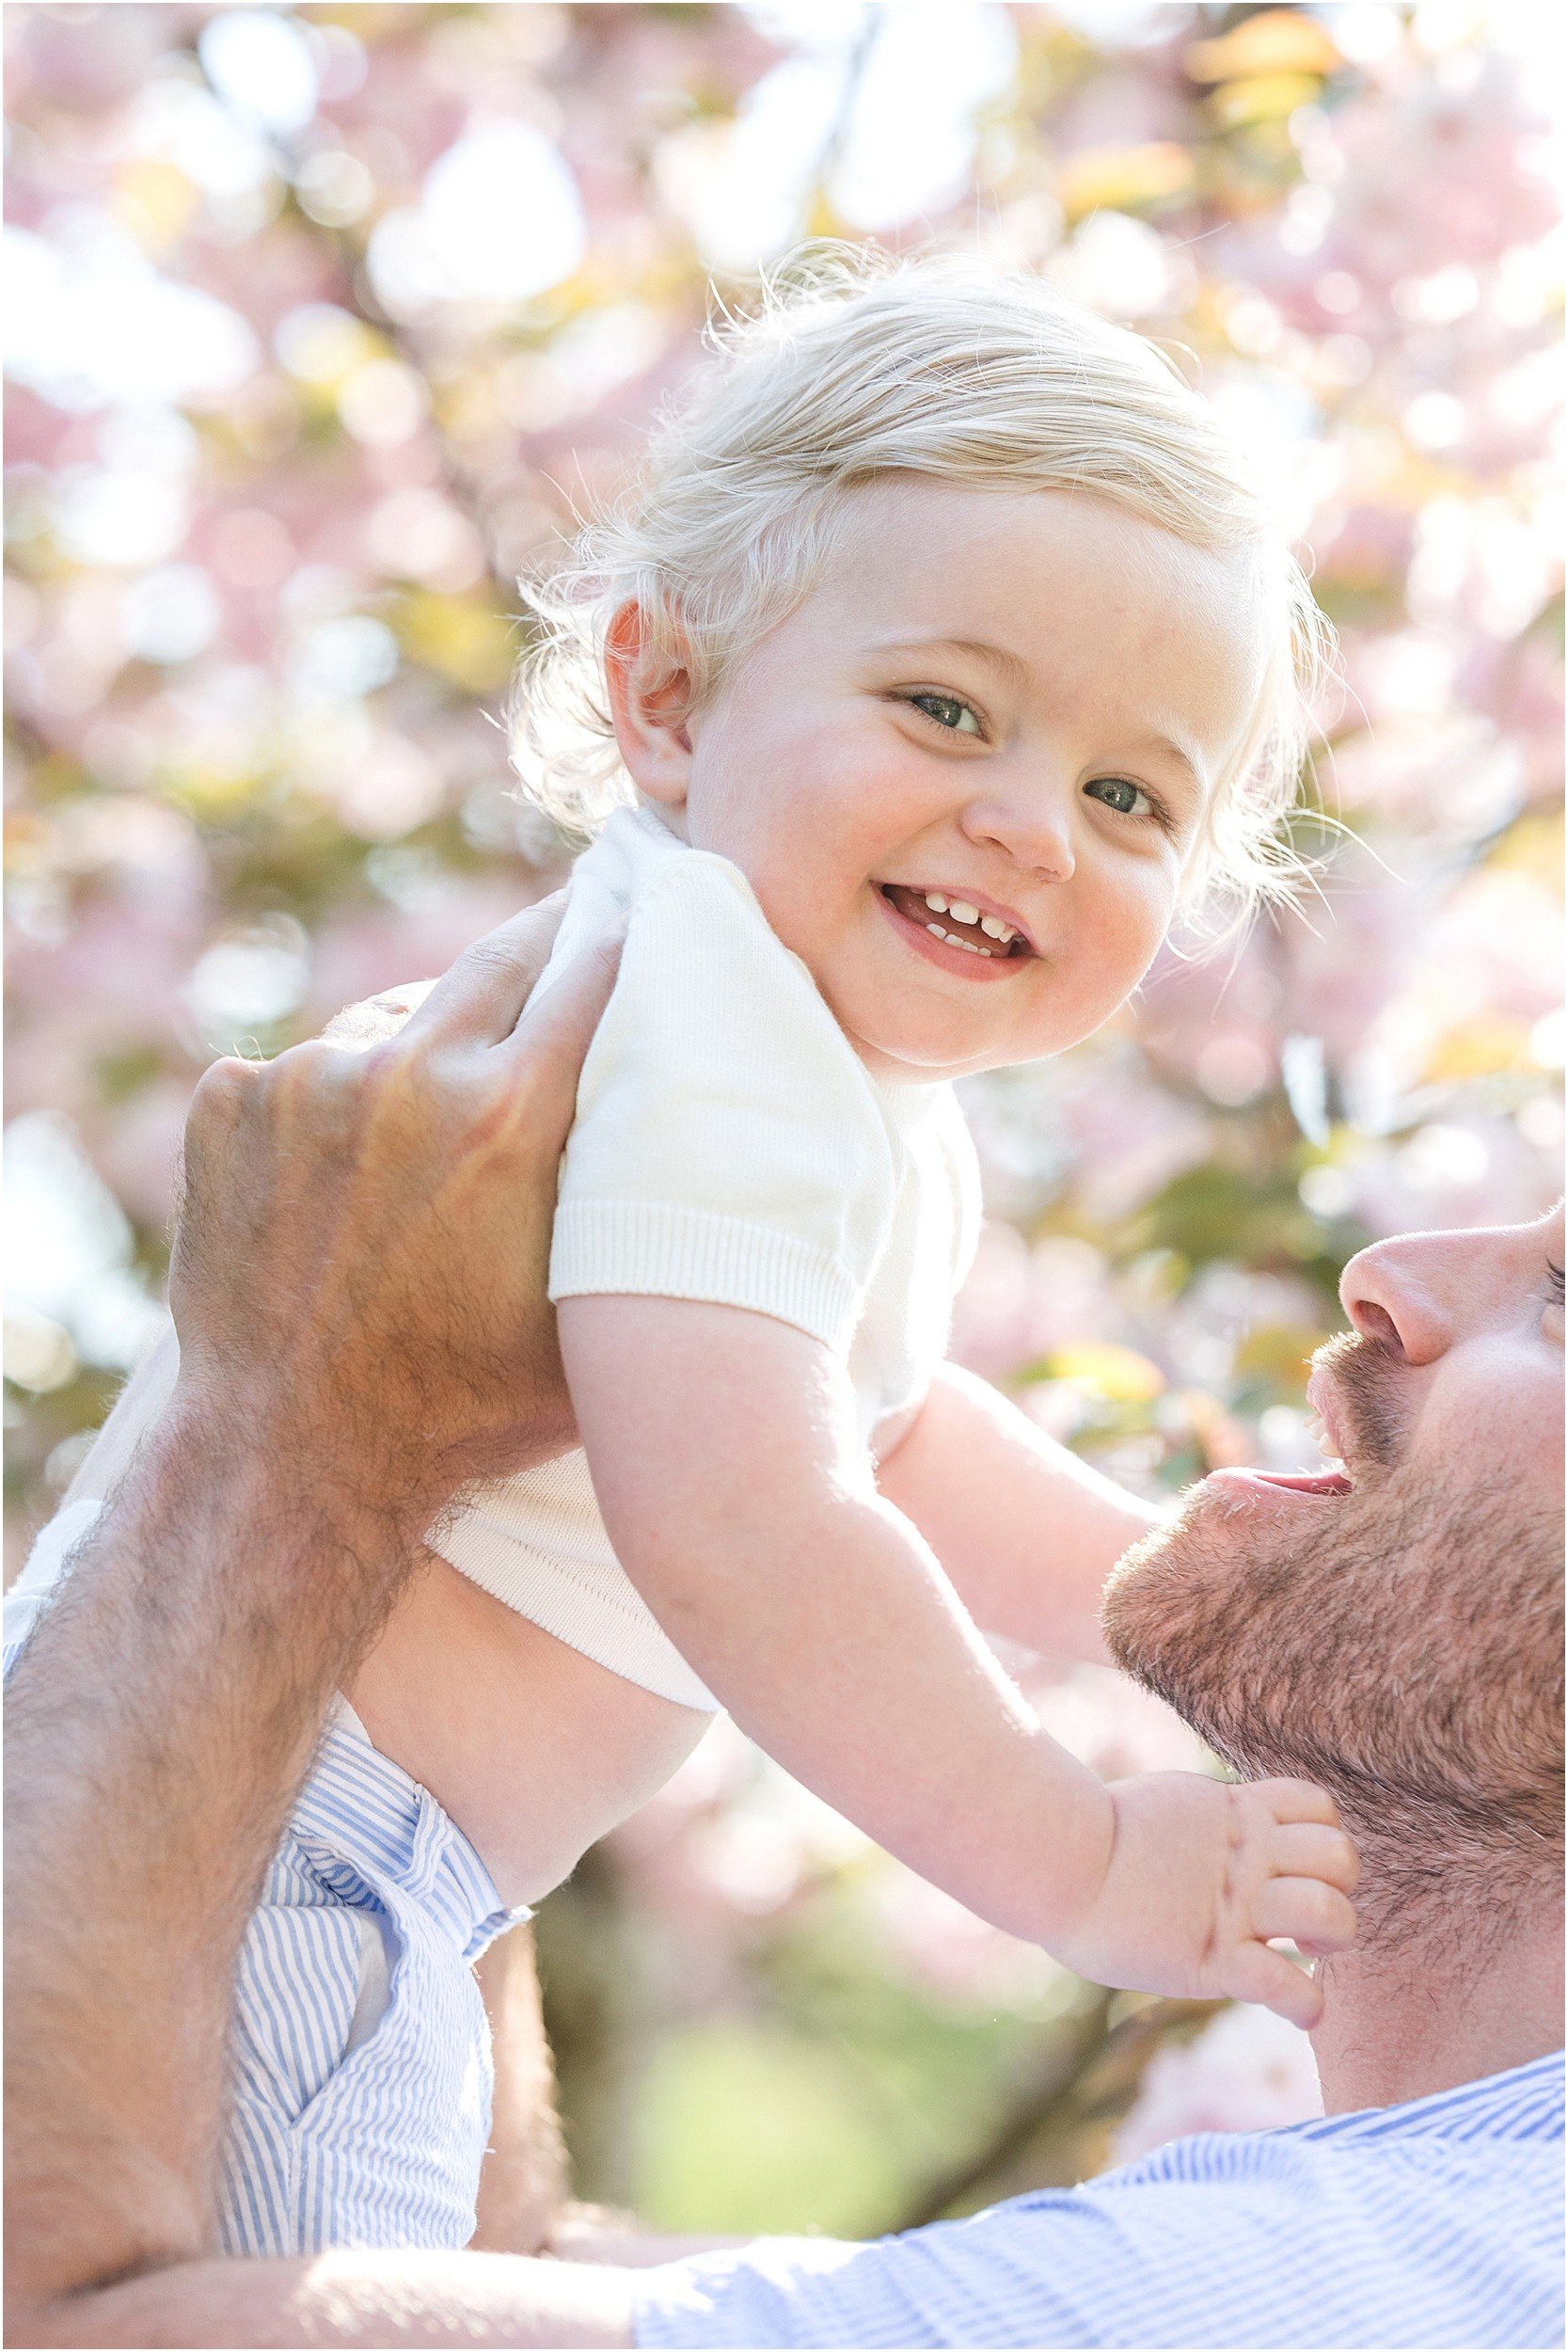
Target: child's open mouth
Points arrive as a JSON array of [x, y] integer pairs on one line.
[[955, 930]]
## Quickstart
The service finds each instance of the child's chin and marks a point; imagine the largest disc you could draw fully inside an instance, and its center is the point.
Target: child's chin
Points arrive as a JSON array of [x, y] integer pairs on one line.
[[917, 1056], [907, 1041]]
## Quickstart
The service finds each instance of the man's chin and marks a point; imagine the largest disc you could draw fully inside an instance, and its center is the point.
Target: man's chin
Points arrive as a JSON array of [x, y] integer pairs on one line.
[[1155, 1575], [1188, 1598], [1214, 1520]]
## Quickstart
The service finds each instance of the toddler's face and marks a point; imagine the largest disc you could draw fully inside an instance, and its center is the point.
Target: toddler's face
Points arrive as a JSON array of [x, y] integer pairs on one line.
[[965, 776]]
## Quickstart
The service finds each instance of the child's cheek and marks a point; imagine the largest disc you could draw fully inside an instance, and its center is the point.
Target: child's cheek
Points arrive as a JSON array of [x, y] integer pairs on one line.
[[1133, 920], [780, 814], [831, 832]]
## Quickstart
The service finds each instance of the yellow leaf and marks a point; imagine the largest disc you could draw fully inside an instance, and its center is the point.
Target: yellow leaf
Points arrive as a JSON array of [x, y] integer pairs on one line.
[[210, 791], [1118, 1374], [1485, 1047], [1120, 178], [1265, 97], [1532, 845], [1277, 41], [468, 642], [822, 220], [1278, 1352]]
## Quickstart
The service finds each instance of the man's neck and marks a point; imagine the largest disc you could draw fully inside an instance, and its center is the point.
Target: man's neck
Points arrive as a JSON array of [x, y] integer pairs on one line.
[[1403, 2023]]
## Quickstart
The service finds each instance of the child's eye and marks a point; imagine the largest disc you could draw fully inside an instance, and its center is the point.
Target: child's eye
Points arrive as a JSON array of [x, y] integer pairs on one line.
[[949, 712], [1128, 800]]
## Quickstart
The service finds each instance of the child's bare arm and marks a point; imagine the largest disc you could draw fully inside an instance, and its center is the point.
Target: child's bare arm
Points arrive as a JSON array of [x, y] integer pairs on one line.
[[724, 1458], [1027, 1533], [723, 1453]]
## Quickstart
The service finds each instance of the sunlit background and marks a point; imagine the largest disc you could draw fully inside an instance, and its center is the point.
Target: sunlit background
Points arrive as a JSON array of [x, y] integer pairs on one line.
[[322, 323]]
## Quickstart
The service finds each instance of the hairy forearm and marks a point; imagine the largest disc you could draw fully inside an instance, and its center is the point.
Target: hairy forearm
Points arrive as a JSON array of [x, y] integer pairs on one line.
[[1027, 1533], [135, 1410], [384, 2299], [158, 1726]]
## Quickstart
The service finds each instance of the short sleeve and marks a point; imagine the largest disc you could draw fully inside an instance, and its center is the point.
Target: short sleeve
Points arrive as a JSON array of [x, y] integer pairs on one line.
[[729, 1145]]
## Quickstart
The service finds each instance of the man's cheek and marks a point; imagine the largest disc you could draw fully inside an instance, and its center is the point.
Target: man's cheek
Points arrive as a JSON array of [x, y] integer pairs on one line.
[[1509, 1422]]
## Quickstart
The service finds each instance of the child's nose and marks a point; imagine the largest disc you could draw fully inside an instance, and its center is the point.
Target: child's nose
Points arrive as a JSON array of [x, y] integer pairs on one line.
[[1032, 828]]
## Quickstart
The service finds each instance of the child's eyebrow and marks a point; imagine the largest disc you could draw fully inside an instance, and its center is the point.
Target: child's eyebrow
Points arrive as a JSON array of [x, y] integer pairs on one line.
[[1181, 757], [1006, 664]]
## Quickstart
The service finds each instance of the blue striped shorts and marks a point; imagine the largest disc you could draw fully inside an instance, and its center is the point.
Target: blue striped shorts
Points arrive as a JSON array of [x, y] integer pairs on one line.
[[360, 2087]]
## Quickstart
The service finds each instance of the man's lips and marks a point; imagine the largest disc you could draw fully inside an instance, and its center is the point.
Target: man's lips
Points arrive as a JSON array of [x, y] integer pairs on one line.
[[1321, 1401], [1324, 1486], [1335, 1478]]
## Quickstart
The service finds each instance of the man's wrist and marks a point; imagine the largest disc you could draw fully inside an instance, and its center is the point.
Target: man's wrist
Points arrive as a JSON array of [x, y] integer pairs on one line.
[[314, 1466], [243, 1505]]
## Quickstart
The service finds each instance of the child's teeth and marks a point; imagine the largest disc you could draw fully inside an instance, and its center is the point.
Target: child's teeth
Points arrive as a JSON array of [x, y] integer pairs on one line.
[[951, 939], [994, 927], [961, 912], [937, 903]]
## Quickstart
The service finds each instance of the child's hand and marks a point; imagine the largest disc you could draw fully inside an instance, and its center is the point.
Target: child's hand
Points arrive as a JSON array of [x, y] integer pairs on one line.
[[1201, 1875]]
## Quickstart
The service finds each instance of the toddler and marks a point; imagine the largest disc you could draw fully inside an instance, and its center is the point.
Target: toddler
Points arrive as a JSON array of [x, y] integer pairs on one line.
[[941, 655]]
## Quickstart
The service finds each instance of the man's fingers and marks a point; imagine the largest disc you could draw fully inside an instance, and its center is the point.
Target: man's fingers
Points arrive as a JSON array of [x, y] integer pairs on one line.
[[553, 1035], [479, 1000], [223, 1095], [1311, 1850]]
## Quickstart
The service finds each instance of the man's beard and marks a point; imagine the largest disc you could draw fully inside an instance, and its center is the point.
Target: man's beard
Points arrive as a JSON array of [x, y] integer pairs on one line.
[[1400, 1646]]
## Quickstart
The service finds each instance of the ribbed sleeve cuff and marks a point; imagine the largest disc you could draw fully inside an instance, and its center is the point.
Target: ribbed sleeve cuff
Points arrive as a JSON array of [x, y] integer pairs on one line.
[[655, 1249]]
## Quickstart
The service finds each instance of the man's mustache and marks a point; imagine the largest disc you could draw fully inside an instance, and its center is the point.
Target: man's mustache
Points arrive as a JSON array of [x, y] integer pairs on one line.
[[1364, 1375]]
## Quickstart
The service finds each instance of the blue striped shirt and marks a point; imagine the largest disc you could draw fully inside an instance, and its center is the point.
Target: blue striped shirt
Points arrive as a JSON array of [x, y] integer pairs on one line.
[[1433, 2224]]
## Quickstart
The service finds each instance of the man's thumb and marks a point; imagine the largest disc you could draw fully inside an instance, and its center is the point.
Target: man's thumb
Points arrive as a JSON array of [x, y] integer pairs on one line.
[[558, 1023]]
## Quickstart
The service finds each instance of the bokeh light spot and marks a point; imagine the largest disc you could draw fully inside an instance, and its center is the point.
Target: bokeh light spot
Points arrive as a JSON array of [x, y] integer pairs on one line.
[[499, 221], [263, 66]]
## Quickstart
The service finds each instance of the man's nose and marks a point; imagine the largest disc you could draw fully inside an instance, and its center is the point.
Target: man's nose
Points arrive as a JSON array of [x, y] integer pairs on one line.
[[1031, 821], [1419, 1292], [1385, 1301]]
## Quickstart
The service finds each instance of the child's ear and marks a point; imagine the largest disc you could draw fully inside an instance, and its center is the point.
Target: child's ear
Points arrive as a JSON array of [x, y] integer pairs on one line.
[[648, 704]]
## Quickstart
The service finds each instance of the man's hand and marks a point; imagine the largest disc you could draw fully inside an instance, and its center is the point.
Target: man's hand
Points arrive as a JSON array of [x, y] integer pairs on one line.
[[365, 1230]]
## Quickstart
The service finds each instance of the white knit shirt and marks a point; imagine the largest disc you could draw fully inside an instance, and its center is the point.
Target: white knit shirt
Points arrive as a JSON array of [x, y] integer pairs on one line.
[[730, 1146]]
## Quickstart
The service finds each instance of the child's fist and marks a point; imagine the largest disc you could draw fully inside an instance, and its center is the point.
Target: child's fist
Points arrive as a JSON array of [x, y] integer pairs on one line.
[[1203, 1875], [1292, 1873]]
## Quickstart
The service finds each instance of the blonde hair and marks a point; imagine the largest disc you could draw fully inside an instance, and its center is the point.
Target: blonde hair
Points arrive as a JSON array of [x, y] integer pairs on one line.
[[853, 367]]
